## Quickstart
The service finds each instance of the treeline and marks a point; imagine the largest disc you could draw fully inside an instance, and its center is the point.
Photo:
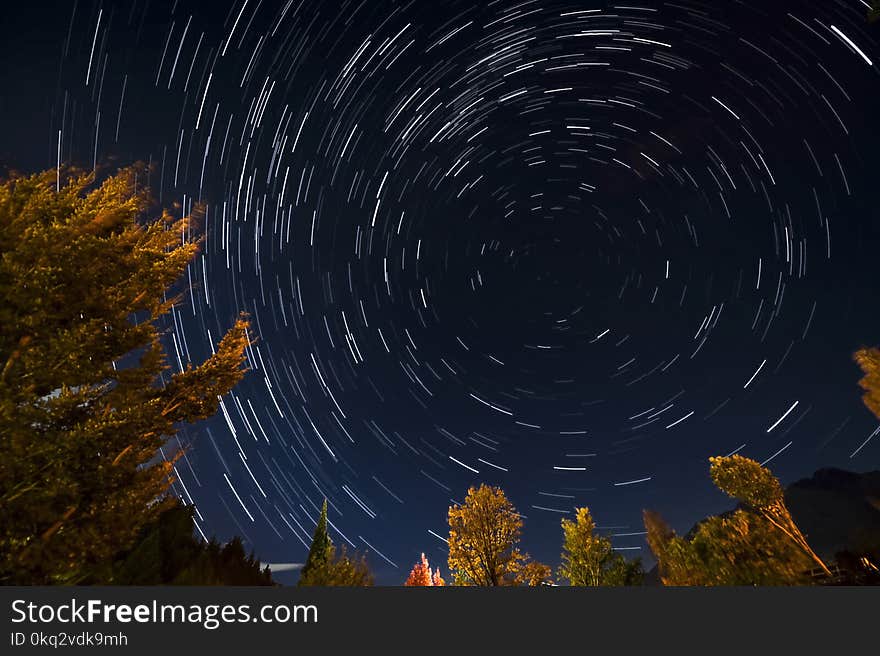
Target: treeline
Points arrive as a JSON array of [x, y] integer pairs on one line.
[[168, 553], [759, 543], [88, 406]]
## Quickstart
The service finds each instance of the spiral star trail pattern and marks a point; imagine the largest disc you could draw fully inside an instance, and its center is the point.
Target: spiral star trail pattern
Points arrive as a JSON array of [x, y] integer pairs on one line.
[[568, 248]]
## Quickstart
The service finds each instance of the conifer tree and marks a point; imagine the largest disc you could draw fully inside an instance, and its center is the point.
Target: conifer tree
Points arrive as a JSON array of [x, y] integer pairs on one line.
[[320, 552], [169, 553], [327, 566], [86, 399]]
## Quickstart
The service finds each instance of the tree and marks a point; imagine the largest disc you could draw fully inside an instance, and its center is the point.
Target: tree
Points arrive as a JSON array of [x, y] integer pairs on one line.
[[86, 401], [169, 554], [589, 559], [420, 574], [340, 569], [758, 544], [327, 567], [320, 552], [673, 559], [869, 360], [484, 535], [343, 569], [624, 572], [760, 491], [740, 548], [533, 573]]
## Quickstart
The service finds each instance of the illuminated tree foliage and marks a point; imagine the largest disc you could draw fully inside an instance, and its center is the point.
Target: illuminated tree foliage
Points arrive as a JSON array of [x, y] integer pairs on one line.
[[420, 574], [533, 573], [759, 490], [484, 535], [589, 559], [758, 544], [340, 569], [327, 567], [869, 360], [86, 400], [738, 549], [320, 552]]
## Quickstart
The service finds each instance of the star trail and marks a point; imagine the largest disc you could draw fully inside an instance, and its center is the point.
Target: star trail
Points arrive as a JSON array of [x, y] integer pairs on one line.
[[568, 248]]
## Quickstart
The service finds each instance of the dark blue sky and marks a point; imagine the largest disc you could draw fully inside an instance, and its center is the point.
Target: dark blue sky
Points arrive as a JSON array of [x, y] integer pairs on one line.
[[569, 249]]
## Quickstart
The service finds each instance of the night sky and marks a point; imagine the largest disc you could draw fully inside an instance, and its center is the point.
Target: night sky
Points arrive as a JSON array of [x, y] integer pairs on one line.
[[570, 248]]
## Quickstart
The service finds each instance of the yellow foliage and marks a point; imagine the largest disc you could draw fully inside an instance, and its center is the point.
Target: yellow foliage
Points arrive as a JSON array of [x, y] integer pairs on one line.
[[869, 361], [484, 534]]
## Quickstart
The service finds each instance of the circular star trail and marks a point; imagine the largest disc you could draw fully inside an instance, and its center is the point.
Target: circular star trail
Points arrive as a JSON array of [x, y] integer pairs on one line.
[[568, 248]]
